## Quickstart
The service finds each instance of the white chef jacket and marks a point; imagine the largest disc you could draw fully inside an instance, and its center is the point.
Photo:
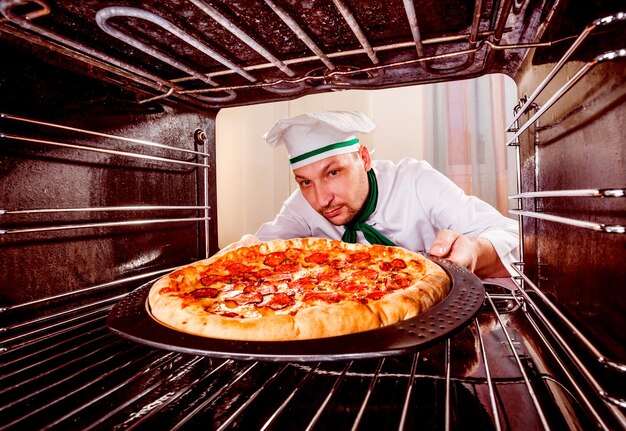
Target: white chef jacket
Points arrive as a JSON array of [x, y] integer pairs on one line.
[[415, 202]]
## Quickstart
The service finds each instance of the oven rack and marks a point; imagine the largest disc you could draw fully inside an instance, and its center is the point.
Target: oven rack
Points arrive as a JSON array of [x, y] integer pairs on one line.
[[578, 193], [527, 103], [331, 76], [605, 57], [614, 403], [201, 161], [142, 143], [107, 380]]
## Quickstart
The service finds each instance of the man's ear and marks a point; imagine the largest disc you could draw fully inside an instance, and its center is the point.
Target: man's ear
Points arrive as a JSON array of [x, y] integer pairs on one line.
[[366, 157]]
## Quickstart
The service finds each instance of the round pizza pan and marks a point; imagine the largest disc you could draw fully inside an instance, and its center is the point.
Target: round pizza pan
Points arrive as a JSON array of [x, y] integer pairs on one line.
[[131, 319]]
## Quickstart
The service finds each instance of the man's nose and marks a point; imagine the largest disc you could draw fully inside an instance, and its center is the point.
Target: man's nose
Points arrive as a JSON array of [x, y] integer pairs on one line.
[[324, 195]]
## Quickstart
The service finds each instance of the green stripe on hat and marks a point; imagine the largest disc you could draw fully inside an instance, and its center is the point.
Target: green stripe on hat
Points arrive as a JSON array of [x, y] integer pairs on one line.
[[323, 150]]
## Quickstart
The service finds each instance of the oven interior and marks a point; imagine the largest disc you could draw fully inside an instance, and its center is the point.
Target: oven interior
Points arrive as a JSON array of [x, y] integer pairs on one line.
[[107, 181]]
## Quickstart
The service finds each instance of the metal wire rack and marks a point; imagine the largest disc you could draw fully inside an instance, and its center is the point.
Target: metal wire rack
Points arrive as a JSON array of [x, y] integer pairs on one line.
[[106, 381]]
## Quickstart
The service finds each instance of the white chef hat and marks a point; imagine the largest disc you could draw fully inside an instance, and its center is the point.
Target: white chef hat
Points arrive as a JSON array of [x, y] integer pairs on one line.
[[318, 135]]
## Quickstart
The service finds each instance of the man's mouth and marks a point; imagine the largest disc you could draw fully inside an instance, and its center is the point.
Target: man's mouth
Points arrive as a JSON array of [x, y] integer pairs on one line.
[[330, 213]]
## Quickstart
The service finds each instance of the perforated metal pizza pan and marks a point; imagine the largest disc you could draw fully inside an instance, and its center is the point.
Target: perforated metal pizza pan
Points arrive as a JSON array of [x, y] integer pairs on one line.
[[131, 319]]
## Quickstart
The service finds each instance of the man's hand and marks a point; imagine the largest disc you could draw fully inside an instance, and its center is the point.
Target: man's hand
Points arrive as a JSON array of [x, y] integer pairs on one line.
[[474, 253], [247, 239]]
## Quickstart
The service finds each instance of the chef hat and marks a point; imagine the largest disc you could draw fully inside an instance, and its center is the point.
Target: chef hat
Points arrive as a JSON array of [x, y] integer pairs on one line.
[[316, 136]]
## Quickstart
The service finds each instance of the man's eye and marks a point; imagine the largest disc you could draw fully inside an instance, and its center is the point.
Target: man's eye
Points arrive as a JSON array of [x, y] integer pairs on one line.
[[333, 173], [304, 183]]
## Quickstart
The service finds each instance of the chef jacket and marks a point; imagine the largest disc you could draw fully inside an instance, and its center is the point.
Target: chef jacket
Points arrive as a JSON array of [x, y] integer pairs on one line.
[[415, 201]]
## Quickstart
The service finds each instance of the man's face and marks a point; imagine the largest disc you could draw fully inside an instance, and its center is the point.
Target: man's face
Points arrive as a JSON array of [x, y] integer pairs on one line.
[[336, 187]]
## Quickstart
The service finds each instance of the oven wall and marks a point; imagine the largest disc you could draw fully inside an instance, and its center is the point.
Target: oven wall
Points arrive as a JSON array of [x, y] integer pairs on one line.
[[578, 144], [39, 176]]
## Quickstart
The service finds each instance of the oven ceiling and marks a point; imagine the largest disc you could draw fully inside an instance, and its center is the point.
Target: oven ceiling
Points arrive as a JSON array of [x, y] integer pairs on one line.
[[227, 53]]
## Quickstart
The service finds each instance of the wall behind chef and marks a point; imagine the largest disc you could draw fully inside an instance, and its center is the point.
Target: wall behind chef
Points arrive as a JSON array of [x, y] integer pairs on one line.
[[344, 194], [438, 123]]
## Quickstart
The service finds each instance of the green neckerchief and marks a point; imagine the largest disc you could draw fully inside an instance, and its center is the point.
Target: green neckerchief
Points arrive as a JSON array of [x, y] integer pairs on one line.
[[358, 222]]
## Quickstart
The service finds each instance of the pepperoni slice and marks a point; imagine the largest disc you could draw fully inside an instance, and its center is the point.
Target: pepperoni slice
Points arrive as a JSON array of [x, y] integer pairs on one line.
[[338, 263], [237, 268], [262, 273], [329, 297], [293, 253], [367, 273], [248, 298], [385, 266], [329, 275], [376, 295], [304, 283], [359, 257], [263, 289], [350, 286], [275, 259], [205, 292], [319, 258], [208, 280], [398, 264], [398, 281], [280, 301], [287, 267]]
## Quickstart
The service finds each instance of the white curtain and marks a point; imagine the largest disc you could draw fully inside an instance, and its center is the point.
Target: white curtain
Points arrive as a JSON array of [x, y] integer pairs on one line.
[[458, 127], [469, 140]]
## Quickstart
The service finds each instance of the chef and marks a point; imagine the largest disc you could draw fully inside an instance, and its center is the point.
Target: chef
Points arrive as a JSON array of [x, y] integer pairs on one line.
[[344, 194]]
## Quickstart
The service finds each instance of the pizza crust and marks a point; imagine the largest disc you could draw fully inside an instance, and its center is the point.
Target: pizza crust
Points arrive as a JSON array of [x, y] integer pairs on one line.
[[311, 320]]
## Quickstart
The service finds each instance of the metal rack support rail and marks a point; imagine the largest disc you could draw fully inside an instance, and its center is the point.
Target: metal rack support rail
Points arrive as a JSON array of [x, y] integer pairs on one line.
[[100, 150], [600, 357], [99, 225], [83, 291], [105, 209], [104, 302], [600, 227], [612, 403], [595, 193], [100, 134], [611, 19], [607, 56]]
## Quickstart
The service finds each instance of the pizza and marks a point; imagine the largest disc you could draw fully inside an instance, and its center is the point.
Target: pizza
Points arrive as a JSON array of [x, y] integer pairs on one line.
[[297, 289]]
